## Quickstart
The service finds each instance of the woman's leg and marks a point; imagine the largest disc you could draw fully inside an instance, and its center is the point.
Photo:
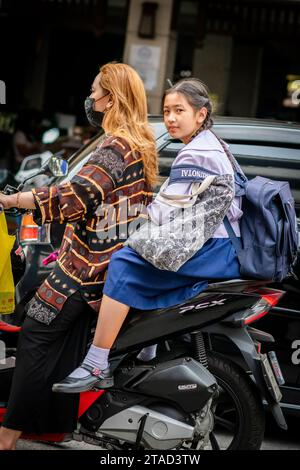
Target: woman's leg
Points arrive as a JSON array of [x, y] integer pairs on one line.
[[39, 363]]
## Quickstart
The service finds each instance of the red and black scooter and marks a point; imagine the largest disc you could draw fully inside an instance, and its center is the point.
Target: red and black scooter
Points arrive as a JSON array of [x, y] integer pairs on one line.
[[191, 395]]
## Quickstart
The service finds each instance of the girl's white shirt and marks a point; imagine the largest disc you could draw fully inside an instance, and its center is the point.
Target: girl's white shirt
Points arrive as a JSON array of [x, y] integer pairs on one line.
[[211, 156]]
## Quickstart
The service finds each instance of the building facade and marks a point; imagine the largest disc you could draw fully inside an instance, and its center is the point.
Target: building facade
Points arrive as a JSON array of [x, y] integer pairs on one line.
[[247, 51]]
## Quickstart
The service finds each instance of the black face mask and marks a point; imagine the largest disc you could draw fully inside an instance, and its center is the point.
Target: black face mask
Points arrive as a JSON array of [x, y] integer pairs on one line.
[[95, 118]]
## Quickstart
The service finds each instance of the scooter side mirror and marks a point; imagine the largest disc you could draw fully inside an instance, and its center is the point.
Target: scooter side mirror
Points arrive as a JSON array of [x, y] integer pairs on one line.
[[56, 166]]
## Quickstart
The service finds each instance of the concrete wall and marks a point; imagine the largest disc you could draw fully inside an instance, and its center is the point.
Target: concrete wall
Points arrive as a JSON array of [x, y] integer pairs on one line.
[[153, 58], [212, 65], [245, 77], [35, 80]]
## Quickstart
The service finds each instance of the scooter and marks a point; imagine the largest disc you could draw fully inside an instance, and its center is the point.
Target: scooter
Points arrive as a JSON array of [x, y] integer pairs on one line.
[[191, 396]]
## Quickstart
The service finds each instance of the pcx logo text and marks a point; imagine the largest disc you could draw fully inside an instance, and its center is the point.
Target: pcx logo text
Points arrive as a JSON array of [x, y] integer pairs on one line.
[[213, 303]]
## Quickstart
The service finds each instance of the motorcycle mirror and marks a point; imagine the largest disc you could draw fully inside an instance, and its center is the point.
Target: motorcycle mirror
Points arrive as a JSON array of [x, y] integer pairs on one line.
[[56, 166]]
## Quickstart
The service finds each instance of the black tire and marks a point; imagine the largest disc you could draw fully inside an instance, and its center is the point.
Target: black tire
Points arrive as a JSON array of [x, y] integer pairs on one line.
[[238, 409]]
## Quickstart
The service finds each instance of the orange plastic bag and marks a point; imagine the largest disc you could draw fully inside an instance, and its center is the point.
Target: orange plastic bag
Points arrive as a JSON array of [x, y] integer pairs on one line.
[[7, 288]]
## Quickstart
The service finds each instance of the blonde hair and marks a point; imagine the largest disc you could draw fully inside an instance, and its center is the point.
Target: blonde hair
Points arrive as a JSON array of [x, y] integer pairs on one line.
[[127, 117]]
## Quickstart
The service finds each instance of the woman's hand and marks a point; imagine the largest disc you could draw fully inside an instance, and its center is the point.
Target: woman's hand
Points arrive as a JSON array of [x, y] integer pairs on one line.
[[19, 200], [6, 202]]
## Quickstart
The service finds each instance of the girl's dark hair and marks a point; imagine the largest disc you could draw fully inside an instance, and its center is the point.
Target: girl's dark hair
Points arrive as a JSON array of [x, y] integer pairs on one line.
[[196, 93]]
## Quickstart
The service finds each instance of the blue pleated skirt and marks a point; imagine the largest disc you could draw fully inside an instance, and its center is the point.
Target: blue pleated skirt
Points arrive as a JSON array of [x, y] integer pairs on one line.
[[133, 281]]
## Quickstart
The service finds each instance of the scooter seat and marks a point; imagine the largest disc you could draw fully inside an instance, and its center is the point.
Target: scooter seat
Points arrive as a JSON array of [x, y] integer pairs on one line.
[[9, 328], [235, 284]]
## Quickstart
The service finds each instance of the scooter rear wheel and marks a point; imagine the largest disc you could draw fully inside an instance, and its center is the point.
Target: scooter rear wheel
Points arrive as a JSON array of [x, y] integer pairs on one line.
[[238, 411]]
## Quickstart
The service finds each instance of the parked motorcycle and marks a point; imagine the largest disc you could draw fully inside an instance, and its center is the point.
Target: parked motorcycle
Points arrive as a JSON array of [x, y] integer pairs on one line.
[[189, 396]]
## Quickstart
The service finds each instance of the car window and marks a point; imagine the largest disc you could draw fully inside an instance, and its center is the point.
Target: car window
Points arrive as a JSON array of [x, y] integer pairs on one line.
[[159, 128], [245, 154], [271, 162], [32, 164], [267, 152], [167, 155], [283, 134]]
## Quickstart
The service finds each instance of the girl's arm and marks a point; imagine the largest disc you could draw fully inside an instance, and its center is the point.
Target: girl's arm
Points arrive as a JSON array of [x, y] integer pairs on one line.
[[190, 167]]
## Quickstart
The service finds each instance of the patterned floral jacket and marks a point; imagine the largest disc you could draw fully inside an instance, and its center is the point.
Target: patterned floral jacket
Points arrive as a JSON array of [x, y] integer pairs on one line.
[[101, 206]]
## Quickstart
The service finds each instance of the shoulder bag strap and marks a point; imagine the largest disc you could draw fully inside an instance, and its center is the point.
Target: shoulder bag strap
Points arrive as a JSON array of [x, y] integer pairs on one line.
[[184, 200]]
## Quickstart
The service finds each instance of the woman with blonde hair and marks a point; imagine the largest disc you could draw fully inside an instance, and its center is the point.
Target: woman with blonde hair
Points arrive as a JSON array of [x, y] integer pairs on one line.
[[55, 332]]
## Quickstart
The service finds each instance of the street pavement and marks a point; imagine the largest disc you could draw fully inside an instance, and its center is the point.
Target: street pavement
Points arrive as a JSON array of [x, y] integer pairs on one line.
[[275, 439], [269, 444]]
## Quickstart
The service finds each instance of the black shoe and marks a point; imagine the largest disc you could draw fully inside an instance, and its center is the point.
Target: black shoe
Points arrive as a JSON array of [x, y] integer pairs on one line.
[[96, 380]]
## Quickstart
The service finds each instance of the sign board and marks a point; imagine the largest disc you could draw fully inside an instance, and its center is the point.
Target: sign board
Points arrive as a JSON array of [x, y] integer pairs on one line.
[[146, 61]]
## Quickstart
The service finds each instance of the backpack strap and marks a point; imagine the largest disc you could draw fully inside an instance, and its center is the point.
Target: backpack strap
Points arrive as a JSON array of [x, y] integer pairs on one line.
[[236, 241], [240, 178]]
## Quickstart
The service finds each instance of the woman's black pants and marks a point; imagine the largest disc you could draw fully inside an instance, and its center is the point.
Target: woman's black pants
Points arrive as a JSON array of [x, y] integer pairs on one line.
[[47, 354]]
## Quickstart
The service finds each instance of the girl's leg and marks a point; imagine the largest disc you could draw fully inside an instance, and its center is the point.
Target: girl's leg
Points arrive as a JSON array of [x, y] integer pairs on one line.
[[8, 438], [111, 318]]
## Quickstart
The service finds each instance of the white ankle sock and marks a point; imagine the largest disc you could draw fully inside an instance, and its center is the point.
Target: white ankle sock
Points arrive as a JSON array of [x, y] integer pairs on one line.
[[96, 358]]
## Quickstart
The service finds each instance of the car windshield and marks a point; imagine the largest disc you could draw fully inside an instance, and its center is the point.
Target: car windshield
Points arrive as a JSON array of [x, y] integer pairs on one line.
[[75, 168]]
